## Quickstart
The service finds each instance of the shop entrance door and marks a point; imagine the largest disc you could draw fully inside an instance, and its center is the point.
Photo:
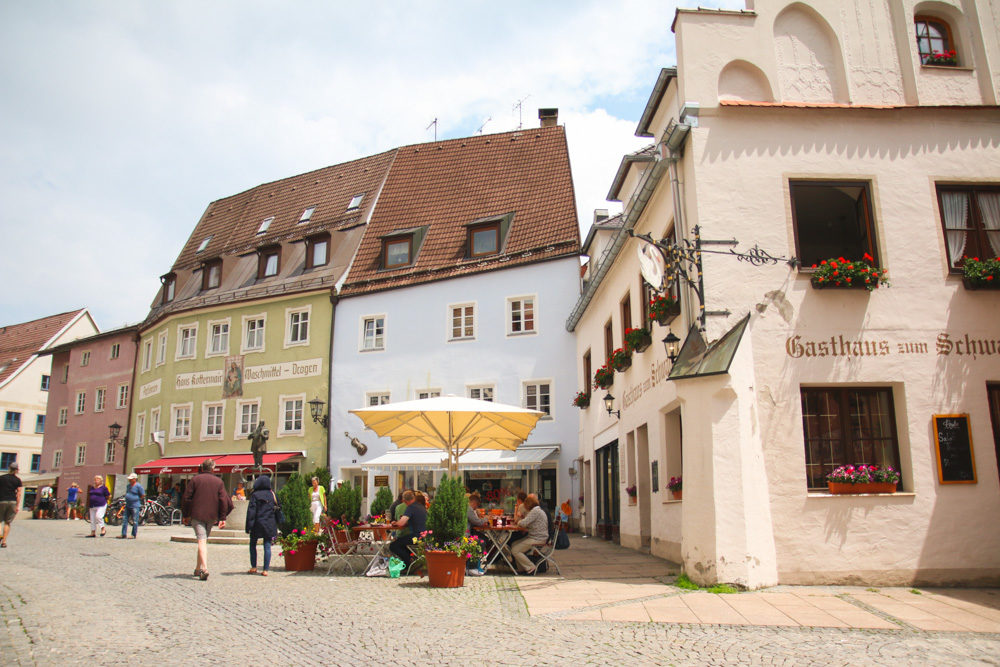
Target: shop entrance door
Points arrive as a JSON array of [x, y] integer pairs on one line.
[[607, 492], [547, 489], [993, 392]]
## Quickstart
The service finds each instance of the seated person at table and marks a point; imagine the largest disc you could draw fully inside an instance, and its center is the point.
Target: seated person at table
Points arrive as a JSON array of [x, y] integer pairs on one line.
[[535, 525], [397, 514], [415, 517], [519, 512], [475, 521]]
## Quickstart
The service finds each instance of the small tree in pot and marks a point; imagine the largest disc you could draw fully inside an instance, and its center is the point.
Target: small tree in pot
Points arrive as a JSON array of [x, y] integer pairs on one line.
[[298, 541], [382, 502], [344, 504], [444, 546]]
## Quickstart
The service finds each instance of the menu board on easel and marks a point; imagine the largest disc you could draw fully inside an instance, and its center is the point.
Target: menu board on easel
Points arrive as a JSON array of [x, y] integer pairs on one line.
[[953, 437]]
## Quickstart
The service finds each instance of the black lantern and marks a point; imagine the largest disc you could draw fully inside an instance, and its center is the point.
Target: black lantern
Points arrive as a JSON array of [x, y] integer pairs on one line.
[[609, 403], [672, 345], [116, 430], [316, 410]]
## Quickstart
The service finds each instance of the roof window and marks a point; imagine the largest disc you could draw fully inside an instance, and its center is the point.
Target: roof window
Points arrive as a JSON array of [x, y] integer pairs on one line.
[[204, 244], [307, 214], [264, 225], [356, 202]]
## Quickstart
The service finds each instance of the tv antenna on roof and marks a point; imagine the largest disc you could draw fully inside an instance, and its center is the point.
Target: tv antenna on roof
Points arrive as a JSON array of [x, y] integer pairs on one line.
[[435, 124], [519, 105], [480, 130]]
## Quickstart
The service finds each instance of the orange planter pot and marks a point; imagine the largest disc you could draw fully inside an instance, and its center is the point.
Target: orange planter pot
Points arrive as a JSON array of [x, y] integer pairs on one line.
[[678, 494], [303, 559], [840, 488], [445, 569]]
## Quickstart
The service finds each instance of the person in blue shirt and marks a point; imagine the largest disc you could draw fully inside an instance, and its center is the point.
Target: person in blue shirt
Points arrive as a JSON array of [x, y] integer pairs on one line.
[[135, 496], [72, 494]]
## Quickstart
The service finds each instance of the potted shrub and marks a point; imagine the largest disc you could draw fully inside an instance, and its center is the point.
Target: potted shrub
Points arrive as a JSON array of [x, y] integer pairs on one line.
[[621, 360], [838, 272], [981, 273], [604, 377], [299, 547], [582, 399], [637, 340], [445, 547], [862, 479], [344, 507], [664, 308], [676, 486], [382, 502], [297, 540]]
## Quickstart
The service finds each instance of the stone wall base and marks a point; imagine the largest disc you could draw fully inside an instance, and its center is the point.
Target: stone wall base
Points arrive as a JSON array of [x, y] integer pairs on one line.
[[979, 577]]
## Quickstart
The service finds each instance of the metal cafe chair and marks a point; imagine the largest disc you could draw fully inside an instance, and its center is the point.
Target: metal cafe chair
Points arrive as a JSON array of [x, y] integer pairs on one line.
[[343, 548], [547, 551]]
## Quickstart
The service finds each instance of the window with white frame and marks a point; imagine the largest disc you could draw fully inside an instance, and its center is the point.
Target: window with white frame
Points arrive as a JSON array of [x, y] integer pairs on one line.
[[187, 336], [249, 415], [140, 430], [154, 420], [481, 392], [211, 420], [521, 315], [253, 333], [100, 396], [109, 451], [218, 338], [180, 422], [57, 459], [291, 414], [373, 332], [85, 358], [537, 395], [462, 321], [81, 454], [81, 402], [297, 332], [161, 348], [122, 401], [63, 416], [428, 393], [116, 350], [373, 398]]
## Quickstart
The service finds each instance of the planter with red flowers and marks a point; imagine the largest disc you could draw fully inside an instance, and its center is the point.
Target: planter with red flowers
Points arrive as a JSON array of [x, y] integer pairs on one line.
[[637, 340], [862, 479], [621, 360], [942, 58], [581, 401], [840, 273], [632, 492], [664, 309], [604, 377], [981, 273]]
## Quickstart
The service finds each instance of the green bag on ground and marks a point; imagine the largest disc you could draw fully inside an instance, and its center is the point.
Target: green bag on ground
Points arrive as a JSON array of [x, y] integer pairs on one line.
[[395, 567]]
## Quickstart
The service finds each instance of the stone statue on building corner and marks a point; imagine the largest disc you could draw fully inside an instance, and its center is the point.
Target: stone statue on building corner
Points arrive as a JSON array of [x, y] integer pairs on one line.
[[258, 444]]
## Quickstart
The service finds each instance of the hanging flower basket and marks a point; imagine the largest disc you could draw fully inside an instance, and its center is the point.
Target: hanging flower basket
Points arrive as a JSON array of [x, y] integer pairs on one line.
[[664, 309], [621, 360], [637, 340]]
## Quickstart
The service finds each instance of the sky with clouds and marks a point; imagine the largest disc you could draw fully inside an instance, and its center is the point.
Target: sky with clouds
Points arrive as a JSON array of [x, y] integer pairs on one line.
[[121, 121]]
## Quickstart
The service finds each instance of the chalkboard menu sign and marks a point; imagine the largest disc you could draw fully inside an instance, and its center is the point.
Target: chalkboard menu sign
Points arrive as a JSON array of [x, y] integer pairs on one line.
[[956, 462]]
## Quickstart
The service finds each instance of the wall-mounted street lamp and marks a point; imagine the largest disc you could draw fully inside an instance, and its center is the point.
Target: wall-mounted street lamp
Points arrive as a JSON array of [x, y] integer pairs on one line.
[[316, 410], [609, 404], [672, 344], [115, 430]]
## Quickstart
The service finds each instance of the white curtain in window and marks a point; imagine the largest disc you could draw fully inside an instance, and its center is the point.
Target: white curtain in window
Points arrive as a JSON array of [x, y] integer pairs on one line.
[[955, 208], [989, 206]]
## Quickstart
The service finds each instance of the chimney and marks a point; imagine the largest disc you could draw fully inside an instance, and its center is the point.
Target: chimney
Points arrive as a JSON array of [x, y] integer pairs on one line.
[[600, 215], [548, 117]]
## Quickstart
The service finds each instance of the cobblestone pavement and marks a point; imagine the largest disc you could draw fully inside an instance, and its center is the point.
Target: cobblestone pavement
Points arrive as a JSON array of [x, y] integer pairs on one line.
[[68, 599]]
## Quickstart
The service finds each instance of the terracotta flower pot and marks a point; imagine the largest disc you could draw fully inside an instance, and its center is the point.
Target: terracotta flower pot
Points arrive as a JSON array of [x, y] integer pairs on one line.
[[678, 494], [841, 488], [303, 559], [445, 569]]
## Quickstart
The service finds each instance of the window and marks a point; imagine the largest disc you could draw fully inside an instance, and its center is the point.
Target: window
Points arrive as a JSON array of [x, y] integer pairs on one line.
[[971, 219], [122, 401], [307, 214], [180, 419], [317, 251], [39, 423], [646, 292], [934, 41], [249, 415], [373, 333], [81, 402], [204, 244], [140, 430], [154, 420], [428, 393], [397, 251], [355, 202], [376, 398], [847, 426], [291, 414], [147, 355], [536, 397], [609, 341], [109, 451], [268, 262], [85, 358], [253, 326], [81, 454], [463, 322], [116, 350], [484, 239], [588, 373], [161, 348], [298, 327], [482, 392], [57, 459], [211, 274], [65, 374], [45, 382], [169, 285], [12, 421], [212, 420], [264, 225], [6, 458], [36, 462], [626, 311], [63, 416], [832, 219], [99, 396], [218, 338], [187, 336], [521, 315]]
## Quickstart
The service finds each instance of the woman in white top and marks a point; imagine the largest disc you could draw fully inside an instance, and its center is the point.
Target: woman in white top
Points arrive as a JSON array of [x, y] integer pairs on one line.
[[317, 496]]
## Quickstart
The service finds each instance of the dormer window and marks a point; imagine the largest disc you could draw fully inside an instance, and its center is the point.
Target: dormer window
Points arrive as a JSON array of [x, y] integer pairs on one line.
[[484, 239], [169, 281], [265, 223], [307, 214], [268, 261], [356, 202], [204, 244], [211, 274], [317, 250], [397, 251]]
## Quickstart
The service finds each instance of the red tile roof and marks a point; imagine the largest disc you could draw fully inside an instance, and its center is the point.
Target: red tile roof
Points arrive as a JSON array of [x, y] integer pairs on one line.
[[19, 341], [445, 185]]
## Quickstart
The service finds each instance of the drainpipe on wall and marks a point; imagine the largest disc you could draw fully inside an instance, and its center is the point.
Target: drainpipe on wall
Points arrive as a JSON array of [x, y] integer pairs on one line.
[[334, 299]]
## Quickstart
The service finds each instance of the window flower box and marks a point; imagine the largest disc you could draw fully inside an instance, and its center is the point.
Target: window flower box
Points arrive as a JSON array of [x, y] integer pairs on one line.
[[582, 400], [862, 479], [664, 309], [942, 58], [604, 377], [843, 488], [621, 360], [637, 340], [840, 273], [981, 273]]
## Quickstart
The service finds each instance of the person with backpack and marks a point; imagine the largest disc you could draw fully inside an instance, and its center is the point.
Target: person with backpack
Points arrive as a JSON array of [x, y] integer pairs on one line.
[[261, 523]]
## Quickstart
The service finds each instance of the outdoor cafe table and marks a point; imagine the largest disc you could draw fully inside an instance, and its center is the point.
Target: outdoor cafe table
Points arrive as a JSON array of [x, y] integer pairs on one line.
[[499, 537], [380, 545]]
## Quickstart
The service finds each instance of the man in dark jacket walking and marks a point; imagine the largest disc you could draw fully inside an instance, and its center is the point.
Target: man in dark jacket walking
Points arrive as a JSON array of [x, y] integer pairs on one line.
[[206, 504]]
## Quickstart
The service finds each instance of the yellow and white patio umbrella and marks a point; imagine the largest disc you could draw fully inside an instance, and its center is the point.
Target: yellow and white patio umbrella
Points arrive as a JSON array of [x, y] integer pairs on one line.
[[451, 423]]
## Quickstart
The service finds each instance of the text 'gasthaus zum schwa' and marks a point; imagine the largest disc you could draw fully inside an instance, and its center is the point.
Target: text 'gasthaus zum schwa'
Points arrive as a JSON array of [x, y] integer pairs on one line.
[[945, 344]]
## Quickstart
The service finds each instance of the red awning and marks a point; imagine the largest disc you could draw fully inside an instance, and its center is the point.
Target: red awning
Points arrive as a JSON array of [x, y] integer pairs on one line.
[[223, 463]]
